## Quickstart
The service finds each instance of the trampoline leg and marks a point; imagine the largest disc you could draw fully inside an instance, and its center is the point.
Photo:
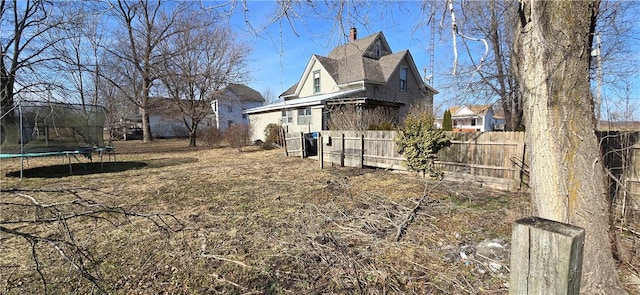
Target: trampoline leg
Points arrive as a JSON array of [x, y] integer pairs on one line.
[[70, 169]]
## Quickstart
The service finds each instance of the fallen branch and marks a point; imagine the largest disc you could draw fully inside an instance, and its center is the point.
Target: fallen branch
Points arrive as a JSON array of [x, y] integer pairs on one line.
[[31, 215], [409, 218]]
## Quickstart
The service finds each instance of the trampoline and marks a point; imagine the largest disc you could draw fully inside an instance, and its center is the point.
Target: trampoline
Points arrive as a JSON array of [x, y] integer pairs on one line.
[[46, 129]]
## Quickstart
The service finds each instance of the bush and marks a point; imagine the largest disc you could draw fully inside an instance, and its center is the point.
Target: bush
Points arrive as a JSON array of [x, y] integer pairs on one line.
[[273, 136], [238, 136], [419, 141], [349, 117], [211, 137], [384, 126], [447, 124]]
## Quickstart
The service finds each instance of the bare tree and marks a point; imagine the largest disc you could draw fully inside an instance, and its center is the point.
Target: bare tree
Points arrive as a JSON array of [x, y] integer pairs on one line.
[[270, 96], [25, 49], [137, 56], [79, 53], [614, 64], [567, 174], [490, 76], [197, 63]]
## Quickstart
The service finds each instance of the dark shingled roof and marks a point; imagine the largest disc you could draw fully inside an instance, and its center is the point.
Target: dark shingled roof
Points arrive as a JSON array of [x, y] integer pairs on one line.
[[355, 61], [245, 92]]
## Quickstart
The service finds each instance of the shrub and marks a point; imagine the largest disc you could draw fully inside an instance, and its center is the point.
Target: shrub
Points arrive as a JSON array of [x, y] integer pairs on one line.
[[385, 126], [273, 136], [349, 117], [211, 137], [447, 125], [419, 141], [238, 136]]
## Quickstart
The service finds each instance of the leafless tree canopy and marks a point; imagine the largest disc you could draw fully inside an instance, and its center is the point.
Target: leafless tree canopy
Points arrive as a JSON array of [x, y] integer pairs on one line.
[[197, 63], [29, 31]]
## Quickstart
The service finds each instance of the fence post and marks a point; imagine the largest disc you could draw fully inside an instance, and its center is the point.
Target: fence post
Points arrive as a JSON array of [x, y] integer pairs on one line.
[[519, 168], [361, 150], [342, 150], [320, 145], [546, 257], [302, 145], [286, 151]]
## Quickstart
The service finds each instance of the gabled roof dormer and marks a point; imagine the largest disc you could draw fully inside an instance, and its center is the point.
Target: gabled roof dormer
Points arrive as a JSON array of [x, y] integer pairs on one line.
[[369, 60], [373, 46], [318, 67]]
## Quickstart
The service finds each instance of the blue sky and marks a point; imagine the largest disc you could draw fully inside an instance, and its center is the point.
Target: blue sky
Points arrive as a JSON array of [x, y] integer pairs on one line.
[[282, 47]]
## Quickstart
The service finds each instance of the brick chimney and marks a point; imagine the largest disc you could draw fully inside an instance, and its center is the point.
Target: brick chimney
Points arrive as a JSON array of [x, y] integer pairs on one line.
[[353, 34]]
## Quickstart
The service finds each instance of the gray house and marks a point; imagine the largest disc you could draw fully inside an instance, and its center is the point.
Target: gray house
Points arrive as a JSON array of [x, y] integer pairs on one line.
[[363, 73], [229, 108]]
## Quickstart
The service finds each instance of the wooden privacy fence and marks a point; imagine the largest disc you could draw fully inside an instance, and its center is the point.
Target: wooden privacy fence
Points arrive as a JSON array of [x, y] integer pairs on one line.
[[495, 159]]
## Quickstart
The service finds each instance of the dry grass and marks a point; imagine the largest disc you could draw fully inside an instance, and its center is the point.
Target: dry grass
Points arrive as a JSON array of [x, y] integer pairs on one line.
[[258, 222]]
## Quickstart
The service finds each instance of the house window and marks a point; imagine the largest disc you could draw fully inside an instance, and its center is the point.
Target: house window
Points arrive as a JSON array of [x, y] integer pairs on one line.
[[403, 79], [473, 122], [455, 123], [229, 123], [304, 116], [377, 49], [287, 116], [316, 81], [230, 109]]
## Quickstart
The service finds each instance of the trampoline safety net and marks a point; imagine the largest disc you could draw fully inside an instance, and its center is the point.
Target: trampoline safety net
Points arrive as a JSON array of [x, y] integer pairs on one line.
[[37, 127]]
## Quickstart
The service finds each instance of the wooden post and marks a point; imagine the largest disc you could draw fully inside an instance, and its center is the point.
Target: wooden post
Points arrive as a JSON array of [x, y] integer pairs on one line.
[[361, 151], [546, 257], [286, 151], [301, 145], [519, 168], [342, 150], [320, 145]]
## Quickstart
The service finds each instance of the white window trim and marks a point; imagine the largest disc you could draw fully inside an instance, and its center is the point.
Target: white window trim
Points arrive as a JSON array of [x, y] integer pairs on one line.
[[304, 116], [287, 117], [316, 87]]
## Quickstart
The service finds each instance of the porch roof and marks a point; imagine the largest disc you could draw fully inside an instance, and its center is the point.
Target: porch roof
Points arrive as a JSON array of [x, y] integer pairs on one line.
[[301, 102]]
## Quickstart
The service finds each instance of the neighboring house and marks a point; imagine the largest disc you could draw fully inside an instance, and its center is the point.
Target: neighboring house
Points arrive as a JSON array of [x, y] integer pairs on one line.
[[167, 121], [229, 108], [475, 118], [364, 73]]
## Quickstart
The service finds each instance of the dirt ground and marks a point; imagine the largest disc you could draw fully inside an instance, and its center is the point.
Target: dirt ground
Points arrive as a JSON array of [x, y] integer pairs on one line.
[[167, 219]]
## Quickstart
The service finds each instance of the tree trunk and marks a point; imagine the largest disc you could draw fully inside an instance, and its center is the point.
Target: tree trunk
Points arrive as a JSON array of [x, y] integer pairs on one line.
[[567, 173], [192, 138], [146, 126], [144, 109]]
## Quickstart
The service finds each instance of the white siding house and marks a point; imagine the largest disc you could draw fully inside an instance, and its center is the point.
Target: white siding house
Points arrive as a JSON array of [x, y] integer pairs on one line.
[[475, 118], [229, 108]]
